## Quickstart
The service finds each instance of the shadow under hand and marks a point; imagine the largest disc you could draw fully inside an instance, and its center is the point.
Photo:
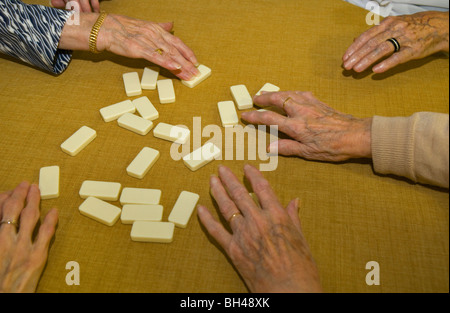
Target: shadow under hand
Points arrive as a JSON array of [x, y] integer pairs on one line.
[[401, 68]]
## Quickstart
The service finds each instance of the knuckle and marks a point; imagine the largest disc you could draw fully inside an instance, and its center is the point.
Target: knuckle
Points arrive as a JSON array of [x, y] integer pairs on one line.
[[373, 43], [262, 185], [275, 97], [11, 204]]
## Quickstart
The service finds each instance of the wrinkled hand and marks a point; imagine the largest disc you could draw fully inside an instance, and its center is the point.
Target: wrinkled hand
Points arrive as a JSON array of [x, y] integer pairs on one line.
[[420, 35], [22, 260], [83, 5], [318, 132], [267, 245], [135, 38]]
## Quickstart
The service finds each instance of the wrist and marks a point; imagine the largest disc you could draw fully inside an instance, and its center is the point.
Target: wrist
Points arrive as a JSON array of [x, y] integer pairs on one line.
[[355, 142], [363, 139], [75, 36]]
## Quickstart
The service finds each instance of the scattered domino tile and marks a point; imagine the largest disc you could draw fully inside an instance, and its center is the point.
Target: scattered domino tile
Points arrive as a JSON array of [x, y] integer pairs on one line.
[[201, 156], [148, 231], [268, 87], [49, 182], [140, 196], [228, 114], [141, 212], [114, 111], [132, 84], [134, 123], [205, 72], [183, 208], [142, 163], [100, 211], [242, 97], [166, 91], [172, 133], [149, 78], [145, 108], [78, 141], [108, 191]]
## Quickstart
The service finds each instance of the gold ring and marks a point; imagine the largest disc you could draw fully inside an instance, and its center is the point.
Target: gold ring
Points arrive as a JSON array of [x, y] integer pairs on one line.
[[10, 222], [285, 101], [233, 216], [159, 50]]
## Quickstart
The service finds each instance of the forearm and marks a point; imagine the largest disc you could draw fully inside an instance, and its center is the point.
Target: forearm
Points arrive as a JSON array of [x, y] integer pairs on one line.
[[415, 147], [31, 33]]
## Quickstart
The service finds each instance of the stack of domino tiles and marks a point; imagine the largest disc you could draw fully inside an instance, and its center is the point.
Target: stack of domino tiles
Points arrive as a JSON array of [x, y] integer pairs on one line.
[[140, 207], [149, 81]]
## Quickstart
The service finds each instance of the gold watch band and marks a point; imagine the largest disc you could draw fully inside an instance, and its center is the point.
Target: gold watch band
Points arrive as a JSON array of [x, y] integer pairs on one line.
[[94, 32]]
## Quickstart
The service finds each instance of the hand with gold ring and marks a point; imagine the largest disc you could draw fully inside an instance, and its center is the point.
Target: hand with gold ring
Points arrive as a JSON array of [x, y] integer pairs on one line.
[[22, 260], [398, 40], [267, 245], [316, 131], [132, 38]]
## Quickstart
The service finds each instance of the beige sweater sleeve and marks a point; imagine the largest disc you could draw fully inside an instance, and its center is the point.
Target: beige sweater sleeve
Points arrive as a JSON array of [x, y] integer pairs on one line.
[[416, 147]]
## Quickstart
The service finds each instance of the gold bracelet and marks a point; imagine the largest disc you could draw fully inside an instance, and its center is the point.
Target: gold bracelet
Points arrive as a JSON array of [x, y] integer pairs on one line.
[[94, 33]]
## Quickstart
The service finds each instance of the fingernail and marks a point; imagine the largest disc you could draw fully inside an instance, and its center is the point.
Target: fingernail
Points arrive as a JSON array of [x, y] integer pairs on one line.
[[296, 202], [273, 148]]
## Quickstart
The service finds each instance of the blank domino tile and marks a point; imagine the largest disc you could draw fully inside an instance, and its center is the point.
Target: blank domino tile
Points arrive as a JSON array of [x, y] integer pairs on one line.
[[140, 196], [205, 72], [172, 133], [132, 84], [142, 163], [78, 141], [242, 97], [268, 88], [183, 208], [114, 111], [145, 108], [141, 212], [100, 211], [228, 114], [49, 182], [166, 92], [149, 78], [201, 156], [148, 231], [134, 123], [108, 191]]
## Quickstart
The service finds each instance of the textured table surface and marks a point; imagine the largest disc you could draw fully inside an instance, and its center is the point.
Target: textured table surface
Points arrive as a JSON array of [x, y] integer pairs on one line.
[[350, 215]]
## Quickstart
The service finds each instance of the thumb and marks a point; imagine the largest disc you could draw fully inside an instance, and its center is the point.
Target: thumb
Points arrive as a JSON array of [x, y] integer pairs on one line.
[[292, 210], [168, 26]]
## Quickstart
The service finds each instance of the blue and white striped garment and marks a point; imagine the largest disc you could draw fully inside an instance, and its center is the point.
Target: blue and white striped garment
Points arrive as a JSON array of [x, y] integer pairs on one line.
[[31, 33]]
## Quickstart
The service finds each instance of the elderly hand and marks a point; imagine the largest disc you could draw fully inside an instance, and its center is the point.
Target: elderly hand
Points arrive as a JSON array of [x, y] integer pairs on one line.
[[83, 5], [22, 260], [267, 245], [318, 132], [134, 38], [419, 35]]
